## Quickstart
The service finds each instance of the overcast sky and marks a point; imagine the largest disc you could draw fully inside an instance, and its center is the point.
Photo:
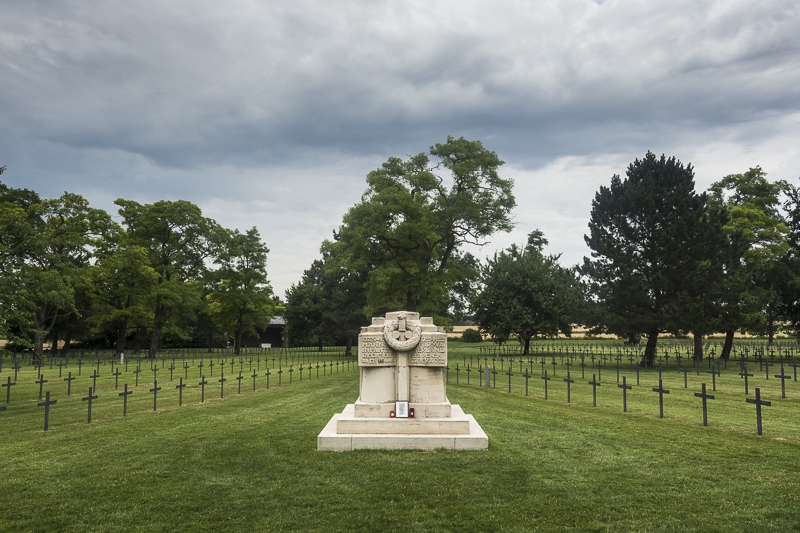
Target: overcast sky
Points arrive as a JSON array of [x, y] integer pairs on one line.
[[270, 114]]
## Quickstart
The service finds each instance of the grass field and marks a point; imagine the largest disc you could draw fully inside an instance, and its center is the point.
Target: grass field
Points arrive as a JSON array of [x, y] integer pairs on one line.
[[248, 462]]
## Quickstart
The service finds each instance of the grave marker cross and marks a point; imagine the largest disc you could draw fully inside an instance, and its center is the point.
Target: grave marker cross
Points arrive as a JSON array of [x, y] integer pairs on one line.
[[745, 374], [46, 404], [625, 388], [783, 377], [254, 376], [116, 375], [8, 384], [155, 390], [594, 383], [222, 381], [661, 392], [203, 384], [714, 373], [41, 381], [89, 398], [705, 397], [125, 395], [180, 387], [546, 379], [759, 402], [239, 379], [509, 374], [569, 380]]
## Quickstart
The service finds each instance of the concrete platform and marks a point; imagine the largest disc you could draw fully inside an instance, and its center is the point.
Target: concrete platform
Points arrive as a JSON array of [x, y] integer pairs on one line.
[[345, 432]]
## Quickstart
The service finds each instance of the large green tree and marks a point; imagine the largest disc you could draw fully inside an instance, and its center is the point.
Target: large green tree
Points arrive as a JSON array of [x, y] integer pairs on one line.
[[46, 247], [176, 237], [527, 294], [645, 234], [240, 300], [122, 283], [407, 232], [327, 305], [750, 296]]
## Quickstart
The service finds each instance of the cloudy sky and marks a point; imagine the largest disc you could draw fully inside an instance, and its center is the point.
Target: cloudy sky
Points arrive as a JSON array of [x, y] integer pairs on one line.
[[270, 114]]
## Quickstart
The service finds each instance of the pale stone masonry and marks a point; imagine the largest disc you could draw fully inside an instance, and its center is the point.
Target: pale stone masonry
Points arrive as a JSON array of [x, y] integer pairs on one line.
[[403, 361]]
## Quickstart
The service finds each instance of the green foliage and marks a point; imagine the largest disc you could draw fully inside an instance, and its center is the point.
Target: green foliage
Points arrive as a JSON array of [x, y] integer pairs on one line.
[[752, 301], [405, 234], [646, 236], [241, 300], [526, 294], [176, 237], [45, 253], [471, 335], [327, 306]]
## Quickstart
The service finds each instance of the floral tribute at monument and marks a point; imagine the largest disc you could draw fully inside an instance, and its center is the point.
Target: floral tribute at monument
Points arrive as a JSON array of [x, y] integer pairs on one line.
[[403, 401]]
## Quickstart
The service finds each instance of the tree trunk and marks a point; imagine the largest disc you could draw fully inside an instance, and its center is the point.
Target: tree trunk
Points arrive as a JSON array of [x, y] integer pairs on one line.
[[38, 342], [122, 334], [527, 348], [649, 356], [237, 340], [698, 347], [158, 326], [348, 351], [67, 344], [728, 346], [771, 329], [319, 340]]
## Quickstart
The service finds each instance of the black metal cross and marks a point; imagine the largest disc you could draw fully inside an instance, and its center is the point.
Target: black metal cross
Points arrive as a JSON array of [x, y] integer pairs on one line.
[[625, 388], [268, 373], [125, 395], [291, 369], [469, 371], [569, 380], [766, 364], [8, 384], [239, 379], [480, 374], [685, 371], [280, 375], [94, 377], [254, 376], [494, 377], [783, 376], [509, 374], [116, 375], [661, 392], [705, 397], [89, 398], [203, 384], [546, 379], [155, 390], [745, 374], [211, 366], [714, 373], [222, 381], [41, 381], [180, 387], [46, 404], [594, 383], [759, 402]]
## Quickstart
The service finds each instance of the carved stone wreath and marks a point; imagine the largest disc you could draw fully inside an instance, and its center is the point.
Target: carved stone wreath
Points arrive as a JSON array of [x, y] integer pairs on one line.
[[401, 340]]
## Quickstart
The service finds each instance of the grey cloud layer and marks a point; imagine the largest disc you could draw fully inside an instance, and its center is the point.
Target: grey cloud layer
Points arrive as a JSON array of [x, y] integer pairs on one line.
[[220, 101]]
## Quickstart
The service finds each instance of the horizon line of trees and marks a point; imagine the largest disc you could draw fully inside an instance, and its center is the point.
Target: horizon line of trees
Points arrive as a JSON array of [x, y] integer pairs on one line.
[[165, 276], [664, 258]]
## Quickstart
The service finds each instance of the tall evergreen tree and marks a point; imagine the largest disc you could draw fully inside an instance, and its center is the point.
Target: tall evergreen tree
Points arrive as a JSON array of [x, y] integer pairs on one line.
[[645, 234]]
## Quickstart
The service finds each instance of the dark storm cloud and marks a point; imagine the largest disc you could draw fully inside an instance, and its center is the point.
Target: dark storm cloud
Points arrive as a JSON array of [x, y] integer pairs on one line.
[[213, 100]]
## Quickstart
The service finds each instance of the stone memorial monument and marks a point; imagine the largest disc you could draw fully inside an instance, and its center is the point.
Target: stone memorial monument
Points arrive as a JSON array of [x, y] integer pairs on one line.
[[403, 401]]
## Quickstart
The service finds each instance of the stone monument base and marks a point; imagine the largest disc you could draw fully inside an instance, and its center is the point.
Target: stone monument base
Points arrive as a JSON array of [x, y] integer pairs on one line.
[[346, 431]]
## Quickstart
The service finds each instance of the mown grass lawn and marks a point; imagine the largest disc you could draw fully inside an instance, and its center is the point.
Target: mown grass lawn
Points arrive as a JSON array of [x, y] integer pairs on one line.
[[249, 463]]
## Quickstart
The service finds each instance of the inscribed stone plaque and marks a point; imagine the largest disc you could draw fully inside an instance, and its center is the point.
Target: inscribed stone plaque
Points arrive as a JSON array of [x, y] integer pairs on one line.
[[431, 351], [373, 351]]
